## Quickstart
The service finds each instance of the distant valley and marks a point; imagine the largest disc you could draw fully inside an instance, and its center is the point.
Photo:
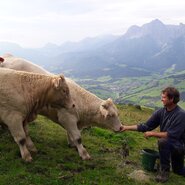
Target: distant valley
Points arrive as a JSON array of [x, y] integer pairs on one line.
[[130, 68]]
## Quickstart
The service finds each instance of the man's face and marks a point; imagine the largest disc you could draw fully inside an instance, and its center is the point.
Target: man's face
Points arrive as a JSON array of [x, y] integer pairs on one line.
[[165, 100]]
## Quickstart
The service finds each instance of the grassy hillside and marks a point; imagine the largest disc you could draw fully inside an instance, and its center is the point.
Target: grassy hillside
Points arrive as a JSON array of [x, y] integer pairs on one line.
[[56, 163]]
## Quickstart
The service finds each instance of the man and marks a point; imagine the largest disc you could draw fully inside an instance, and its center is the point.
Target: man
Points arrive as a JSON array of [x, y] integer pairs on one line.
[[171, 120]]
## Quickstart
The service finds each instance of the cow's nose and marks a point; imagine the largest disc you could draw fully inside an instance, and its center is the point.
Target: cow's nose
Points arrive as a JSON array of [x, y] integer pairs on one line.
[[73, 105], [121, 128]]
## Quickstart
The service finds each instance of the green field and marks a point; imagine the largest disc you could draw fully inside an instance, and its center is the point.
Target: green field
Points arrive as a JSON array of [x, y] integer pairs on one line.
[[144, 91], [57, 164]]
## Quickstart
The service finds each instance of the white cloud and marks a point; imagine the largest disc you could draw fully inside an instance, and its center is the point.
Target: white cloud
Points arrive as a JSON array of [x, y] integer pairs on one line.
[[34, 23]]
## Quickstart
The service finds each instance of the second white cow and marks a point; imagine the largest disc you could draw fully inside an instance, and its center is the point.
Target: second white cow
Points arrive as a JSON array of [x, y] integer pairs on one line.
[[90, 110]]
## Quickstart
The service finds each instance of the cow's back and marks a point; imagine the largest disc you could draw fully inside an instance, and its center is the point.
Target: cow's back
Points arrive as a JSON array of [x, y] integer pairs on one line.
[[85, 101], [20, 64]]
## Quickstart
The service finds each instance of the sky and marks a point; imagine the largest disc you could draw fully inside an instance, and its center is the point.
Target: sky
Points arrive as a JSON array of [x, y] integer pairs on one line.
[[34, 23]]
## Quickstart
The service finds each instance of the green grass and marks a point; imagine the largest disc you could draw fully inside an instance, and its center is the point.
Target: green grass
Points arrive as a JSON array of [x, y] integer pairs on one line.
[[57, 164]]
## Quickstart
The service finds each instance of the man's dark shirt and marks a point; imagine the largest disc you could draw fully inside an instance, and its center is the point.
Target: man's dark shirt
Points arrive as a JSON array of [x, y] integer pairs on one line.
[[172, 122]]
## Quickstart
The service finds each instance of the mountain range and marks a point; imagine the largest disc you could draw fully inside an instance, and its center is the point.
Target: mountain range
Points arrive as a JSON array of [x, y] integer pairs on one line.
[[143, 50]]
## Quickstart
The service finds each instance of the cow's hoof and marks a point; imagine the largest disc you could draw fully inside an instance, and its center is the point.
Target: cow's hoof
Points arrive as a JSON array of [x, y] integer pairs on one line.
[[86, 157], [33, 150], [28, 159]]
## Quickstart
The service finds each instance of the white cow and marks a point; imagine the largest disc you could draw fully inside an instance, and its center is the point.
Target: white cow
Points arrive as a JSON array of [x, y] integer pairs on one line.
[[90, 110], [22, 95]]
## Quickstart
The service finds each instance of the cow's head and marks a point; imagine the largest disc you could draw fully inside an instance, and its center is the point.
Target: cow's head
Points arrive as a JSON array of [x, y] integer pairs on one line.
[[61, 95], [109, 116]]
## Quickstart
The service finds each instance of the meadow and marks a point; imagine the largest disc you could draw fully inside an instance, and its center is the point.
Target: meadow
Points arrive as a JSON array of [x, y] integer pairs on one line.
[[114, 155]]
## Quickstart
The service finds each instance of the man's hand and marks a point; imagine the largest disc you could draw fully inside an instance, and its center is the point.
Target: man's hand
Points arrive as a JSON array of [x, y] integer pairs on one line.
[[149, 134], [129, 127]]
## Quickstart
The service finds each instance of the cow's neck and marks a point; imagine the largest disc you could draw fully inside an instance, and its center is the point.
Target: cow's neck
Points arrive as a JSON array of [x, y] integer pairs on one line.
[[38, 94], [88, 117]]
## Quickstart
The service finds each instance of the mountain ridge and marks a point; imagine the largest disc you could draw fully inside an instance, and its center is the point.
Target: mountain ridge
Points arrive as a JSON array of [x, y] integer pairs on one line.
[[153, 48]]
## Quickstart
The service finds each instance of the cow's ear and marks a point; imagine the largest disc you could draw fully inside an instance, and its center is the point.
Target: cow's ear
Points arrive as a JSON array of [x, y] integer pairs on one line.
[[109, 100], [62, 78], [56, 82], [106, 104], [1, 59], [103, 109]]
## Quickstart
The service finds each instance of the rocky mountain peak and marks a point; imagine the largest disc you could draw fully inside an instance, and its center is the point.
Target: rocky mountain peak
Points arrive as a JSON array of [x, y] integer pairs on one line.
[[156, 30]]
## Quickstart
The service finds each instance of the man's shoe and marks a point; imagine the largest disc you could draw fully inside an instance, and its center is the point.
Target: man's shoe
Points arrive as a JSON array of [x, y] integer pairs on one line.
[[162, 176]]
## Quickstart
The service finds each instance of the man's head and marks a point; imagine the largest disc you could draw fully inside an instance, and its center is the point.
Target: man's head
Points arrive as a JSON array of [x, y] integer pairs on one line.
[[170, 95]]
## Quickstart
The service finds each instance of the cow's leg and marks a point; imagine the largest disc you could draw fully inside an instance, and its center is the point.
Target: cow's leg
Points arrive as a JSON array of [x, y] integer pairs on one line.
[[29, 143], [70, 142], [15, 126], [69, 122], [75, 138]]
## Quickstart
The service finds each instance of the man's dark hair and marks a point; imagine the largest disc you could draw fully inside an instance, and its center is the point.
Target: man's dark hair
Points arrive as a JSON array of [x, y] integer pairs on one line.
[[172, 93]]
